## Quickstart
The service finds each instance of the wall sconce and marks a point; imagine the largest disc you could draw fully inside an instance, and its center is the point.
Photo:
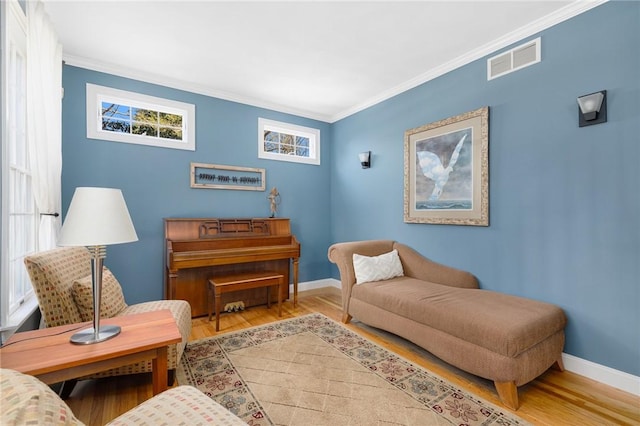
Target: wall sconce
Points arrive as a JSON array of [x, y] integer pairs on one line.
[[593, 109], [365, 159]]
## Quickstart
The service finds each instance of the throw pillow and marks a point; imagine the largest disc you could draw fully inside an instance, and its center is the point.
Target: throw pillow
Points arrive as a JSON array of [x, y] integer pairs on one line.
[[112, 300], [377, 268]]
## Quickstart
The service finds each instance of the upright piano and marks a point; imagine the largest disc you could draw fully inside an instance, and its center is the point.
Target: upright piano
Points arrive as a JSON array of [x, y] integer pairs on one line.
[[197, 249]]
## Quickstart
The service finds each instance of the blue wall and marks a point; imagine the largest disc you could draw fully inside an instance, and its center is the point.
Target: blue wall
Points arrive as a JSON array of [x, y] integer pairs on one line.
[[155, 181], [564, 201]]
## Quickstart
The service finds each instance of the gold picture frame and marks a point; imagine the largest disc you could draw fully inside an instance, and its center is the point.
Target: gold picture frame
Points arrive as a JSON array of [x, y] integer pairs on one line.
[[446, 171], [216, 176]]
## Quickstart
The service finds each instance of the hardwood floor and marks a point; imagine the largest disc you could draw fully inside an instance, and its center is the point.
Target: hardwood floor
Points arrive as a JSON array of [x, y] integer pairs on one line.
[[555, 398]]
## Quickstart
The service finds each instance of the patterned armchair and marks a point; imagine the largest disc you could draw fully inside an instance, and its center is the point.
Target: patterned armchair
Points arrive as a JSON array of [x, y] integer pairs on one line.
[[26, 400], [61, 279]]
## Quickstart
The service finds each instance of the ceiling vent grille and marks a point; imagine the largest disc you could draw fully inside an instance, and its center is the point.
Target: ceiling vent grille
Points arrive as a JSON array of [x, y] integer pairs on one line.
[[517, 58]]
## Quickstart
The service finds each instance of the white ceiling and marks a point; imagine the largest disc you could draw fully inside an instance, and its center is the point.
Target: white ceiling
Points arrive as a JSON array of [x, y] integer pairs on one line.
[[318, 59]]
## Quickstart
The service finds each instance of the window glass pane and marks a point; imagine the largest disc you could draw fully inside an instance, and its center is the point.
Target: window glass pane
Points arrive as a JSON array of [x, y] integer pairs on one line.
[[271, 147], [113, 125], [301, 141], [171, 133], [270, 136], [172, 120], [286, 144], [115, 111], [144, 115], [302, 152], [144, 129]]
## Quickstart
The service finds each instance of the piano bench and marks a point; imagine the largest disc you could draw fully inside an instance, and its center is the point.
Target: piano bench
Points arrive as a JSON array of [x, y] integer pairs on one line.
[[243, 281]]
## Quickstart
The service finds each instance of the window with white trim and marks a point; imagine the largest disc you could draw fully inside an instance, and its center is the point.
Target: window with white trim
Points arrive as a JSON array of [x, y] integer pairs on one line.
[[288, 142], [20, 217], [122, 116]]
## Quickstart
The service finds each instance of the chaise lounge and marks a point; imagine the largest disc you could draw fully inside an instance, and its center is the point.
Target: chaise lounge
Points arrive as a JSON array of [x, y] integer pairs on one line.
[[507, 339]]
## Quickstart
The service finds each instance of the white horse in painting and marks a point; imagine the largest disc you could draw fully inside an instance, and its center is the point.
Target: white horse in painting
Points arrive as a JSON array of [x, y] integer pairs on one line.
[[433, 169]]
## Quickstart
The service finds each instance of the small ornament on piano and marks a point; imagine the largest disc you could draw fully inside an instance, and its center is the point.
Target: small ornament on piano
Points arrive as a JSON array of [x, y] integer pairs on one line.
[[274, 201]]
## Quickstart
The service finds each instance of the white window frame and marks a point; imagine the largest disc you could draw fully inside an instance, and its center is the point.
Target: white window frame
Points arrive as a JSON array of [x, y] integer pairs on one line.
[[16, 178], [292, 129], [98, 94]]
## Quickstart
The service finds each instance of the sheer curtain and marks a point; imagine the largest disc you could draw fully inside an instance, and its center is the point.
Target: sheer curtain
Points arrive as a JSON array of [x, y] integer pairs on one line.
[[44, 122]]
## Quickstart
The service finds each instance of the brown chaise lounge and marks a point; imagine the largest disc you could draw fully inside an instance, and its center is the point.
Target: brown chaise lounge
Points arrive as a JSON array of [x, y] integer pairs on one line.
[[507, 339]]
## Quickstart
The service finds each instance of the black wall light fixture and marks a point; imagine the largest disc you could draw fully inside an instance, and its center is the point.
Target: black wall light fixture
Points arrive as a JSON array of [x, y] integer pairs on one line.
[[592, 109], [365, 159]]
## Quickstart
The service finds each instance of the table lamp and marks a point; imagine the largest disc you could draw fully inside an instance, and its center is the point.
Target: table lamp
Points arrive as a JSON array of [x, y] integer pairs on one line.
[[97, 217]]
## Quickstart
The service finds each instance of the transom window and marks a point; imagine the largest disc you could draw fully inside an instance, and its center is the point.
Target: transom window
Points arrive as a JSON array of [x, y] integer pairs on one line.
[[130, 117], [288, 142]]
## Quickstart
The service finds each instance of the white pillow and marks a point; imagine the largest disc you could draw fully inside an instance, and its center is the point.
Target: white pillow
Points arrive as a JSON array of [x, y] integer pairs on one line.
[[377, 268]]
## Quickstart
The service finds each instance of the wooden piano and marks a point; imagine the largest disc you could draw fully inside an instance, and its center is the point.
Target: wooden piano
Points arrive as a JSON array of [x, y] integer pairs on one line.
[[197, 249]]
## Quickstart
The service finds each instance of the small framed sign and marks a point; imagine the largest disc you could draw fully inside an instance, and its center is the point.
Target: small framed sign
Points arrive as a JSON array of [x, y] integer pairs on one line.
[[216, 176]]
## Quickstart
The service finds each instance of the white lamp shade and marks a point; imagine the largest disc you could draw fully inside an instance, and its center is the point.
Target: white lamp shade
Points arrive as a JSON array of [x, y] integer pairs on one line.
[[97, 217]]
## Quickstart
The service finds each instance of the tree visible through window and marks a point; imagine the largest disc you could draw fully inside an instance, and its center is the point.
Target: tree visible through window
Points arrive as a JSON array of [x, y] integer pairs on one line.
[[283, 143], [139, 121], [135, 118], [288, 142]]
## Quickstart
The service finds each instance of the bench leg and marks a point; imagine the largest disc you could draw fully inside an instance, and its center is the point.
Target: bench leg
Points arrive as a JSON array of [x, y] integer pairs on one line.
[[346, 318], [268, 297], [508, 392], [217, 309]]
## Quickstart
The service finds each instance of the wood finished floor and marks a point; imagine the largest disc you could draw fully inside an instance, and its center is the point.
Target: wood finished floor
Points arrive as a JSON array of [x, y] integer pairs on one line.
[[555, 398]]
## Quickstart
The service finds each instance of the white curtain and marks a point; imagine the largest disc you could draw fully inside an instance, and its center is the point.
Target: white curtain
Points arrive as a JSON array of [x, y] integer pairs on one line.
[[44, 122]]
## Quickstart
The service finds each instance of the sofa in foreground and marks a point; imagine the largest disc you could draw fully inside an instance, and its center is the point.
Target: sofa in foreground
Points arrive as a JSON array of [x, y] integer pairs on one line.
[[26, 400], [507, 339]]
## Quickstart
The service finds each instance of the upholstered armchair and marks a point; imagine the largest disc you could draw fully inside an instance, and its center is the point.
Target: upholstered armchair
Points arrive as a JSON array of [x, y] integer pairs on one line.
[[61, 279]]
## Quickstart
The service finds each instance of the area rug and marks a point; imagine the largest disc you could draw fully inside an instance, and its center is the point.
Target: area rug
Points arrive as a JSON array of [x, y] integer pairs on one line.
[[311, 370]]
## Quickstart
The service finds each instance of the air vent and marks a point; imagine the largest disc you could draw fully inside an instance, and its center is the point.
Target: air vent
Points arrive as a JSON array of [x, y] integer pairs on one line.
[[513, 60]]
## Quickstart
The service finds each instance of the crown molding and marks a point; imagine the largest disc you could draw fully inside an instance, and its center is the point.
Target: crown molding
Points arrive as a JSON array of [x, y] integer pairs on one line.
[[161, 80], [563, 14]]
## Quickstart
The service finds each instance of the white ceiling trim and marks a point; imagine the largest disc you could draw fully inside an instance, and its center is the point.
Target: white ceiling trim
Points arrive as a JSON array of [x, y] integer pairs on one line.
[[161, 80], [548, 21]]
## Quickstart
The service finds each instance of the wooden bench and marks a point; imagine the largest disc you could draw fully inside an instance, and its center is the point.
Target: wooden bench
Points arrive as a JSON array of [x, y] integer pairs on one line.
[[243, 281]]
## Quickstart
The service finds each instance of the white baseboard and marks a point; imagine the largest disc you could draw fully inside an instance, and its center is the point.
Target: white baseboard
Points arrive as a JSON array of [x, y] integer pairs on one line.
[[603, 374], [313, 285], [600, 373]]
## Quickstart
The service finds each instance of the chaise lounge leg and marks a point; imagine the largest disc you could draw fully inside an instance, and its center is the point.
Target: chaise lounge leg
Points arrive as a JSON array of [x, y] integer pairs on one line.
[[346, 318], [558, 365], [508, 393]]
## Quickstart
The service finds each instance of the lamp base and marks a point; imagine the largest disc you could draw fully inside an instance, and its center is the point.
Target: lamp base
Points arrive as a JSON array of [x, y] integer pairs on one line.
[[88, 336]]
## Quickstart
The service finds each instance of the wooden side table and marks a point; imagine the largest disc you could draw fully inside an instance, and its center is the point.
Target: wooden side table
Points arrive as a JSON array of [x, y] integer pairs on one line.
[[51, 357]]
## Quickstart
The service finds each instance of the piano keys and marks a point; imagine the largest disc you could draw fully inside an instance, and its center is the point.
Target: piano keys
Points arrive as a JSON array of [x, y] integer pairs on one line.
[[197, 249]]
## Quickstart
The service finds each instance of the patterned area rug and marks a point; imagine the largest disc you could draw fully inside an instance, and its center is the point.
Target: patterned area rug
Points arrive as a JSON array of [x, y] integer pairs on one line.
[[311, 370]]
